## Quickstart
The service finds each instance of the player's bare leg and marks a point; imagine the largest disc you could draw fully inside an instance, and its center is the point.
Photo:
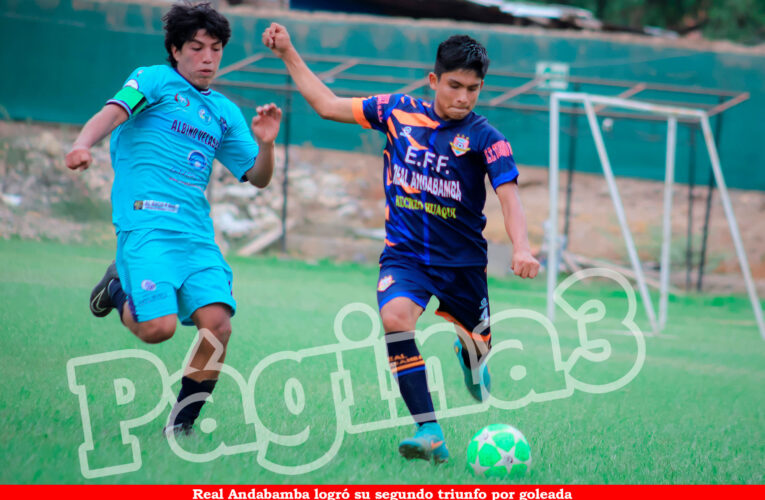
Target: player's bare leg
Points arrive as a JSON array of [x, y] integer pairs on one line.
[[214, 319], [200, 376], [399, 317], [152, 331]]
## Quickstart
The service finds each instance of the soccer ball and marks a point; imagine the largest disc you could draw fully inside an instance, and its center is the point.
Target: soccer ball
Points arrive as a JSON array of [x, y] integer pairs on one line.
[[498, 450]]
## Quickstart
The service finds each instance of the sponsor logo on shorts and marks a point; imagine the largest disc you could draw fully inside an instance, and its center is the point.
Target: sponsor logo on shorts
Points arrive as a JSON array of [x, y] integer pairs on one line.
[[197, 160], [484, 317], [152, 298], [385, 283], [156, 206], [148, 285]]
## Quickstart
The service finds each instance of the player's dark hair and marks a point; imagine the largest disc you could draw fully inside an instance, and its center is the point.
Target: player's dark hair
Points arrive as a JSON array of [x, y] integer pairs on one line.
[[461, 52], [183, 20]]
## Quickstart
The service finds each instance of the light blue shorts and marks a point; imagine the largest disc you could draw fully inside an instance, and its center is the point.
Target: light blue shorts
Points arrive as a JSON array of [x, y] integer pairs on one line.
[[169, 272]]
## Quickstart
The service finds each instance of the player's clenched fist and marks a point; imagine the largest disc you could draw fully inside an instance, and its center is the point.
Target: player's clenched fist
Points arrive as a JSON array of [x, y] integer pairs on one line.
[[276, 38], [524, 265], [79, 159]]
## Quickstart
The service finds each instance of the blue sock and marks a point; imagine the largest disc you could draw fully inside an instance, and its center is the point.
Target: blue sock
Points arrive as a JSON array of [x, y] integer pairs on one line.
[[408, 367], [117, 295]]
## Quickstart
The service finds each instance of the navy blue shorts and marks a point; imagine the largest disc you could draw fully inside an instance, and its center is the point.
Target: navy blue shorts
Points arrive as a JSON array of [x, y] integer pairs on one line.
[[462, 292]]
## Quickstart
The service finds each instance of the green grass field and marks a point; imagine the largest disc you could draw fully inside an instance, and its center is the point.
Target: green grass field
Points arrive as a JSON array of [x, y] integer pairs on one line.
[[695, 413]]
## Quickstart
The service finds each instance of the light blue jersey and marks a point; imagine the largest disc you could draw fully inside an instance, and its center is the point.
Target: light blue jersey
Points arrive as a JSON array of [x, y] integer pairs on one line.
[[162, 155]]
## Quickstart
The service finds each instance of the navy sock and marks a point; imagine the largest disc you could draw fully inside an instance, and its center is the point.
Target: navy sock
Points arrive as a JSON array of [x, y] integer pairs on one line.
[[409, 369], [466, 358], [117, 295], [190, 411], [478, 357]]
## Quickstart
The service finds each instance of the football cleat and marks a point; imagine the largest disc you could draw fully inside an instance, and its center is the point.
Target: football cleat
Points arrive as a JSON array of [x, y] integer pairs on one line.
[[100, 302], [428, 442], [479, 390]]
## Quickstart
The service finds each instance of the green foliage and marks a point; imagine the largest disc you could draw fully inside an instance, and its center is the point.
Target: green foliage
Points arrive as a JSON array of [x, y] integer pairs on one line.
[[737, 20]]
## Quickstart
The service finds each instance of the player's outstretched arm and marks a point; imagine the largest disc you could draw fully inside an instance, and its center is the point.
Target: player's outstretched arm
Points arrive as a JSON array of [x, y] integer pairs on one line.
[[265, 128], [319, 96], [523, 264], [98, 127]]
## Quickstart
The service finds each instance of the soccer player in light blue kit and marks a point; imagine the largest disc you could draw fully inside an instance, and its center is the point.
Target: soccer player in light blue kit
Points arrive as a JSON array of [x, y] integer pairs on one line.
[[168, 126], [436, 159]]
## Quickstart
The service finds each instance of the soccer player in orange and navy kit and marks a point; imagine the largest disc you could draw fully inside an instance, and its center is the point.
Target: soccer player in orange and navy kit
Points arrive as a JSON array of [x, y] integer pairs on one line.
[[435, 161]]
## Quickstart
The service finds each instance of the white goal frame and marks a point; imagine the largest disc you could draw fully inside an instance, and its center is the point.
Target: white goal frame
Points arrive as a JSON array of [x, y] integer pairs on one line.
[[672, 113]]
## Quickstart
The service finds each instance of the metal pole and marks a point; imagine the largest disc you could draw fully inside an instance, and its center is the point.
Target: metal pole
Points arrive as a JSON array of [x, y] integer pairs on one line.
[[626, 234], [732, 224], [691, 185], [552, 230], [574, 124], [708, 211], [285, 181], [669, 178]]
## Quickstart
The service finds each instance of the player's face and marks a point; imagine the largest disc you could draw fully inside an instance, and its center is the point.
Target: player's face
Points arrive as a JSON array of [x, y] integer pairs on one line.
[[199, 59], [456, 93]]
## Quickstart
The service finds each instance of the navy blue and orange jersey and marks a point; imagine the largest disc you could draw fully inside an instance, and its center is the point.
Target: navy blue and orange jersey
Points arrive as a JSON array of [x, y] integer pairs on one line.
[[434, 173]]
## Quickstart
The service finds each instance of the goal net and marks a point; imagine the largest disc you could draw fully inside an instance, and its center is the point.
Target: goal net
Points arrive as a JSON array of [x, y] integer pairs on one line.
[[672, 113]]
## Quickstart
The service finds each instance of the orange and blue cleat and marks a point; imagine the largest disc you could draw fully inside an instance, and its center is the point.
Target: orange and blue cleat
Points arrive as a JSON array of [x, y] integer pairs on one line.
[[428, 442], [480, 388]]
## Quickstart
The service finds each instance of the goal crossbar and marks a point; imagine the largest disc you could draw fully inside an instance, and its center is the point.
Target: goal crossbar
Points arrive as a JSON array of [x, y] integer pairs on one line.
[[672, 113]]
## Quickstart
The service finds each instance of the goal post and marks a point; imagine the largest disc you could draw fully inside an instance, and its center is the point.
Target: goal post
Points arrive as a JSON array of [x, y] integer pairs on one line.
[[672, 113]]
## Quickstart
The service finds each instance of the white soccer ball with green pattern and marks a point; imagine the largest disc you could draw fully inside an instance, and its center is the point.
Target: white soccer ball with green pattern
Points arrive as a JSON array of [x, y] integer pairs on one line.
[[498, 450]]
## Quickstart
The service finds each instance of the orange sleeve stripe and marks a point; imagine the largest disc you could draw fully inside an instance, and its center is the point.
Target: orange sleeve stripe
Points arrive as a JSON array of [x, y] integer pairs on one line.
[[357, 105], [392, 128], [414, 119]]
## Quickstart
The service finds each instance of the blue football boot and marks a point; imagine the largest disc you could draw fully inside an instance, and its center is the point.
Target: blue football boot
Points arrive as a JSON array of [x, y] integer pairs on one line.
[[428, 442], [480, 390]]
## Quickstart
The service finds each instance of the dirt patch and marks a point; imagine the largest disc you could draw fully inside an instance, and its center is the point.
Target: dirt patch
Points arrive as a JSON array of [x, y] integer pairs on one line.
[[336, 205]]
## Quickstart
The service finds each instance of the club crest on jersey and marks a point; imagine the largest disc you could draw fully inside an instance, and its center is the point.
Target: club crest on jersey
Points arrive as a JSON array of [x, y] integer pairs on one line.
[[460, 145], [385, 283], [182, 100]]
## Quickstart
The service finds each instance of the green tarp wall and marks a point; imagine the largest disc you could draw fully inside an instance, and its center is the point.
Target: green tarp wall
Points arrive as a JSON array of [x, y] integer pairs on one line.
[[62, 59]]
